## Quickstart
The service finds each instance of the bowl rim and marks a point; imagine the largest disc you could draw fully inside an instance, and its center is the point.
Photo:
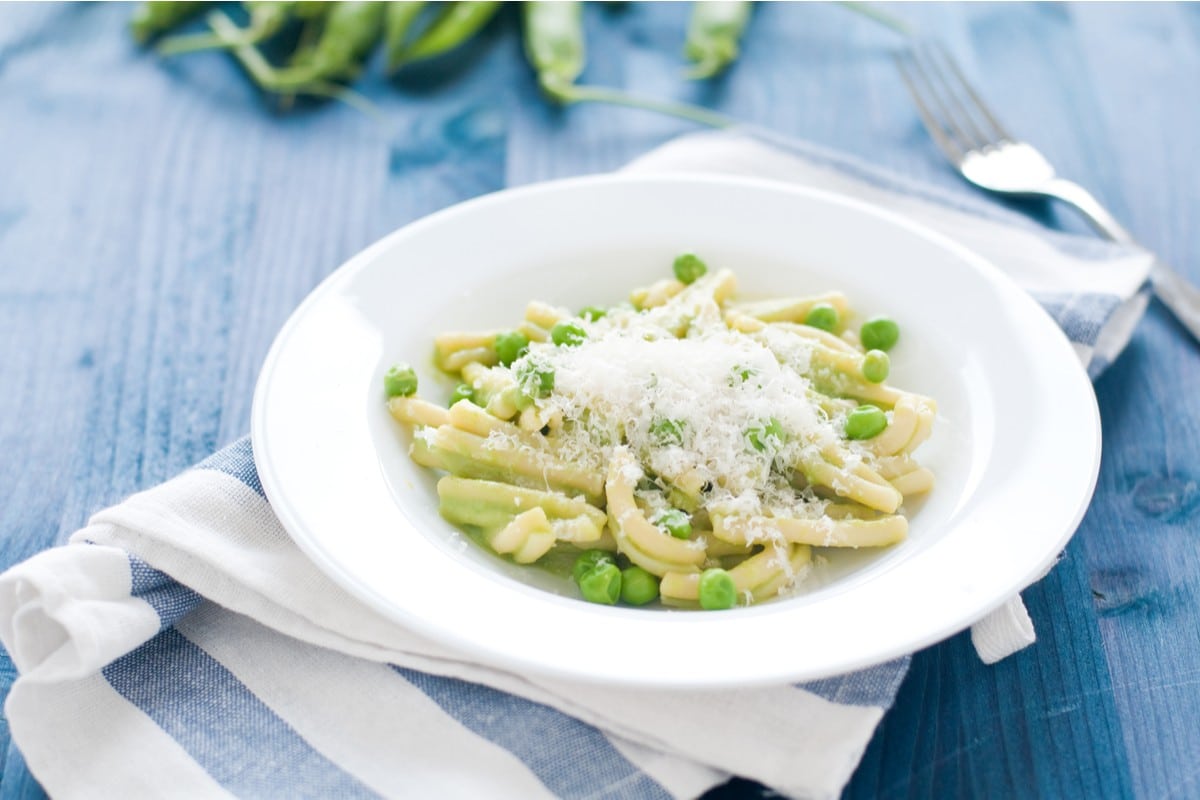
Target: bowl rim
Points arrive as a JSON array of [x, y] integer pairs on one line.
[[297, 527]]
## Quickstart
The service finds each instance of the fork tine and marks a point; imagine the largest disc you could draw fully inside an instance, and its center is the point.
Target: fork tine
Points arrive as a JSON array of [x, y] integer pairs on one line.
[[907, 65], [953, 108], [1000, 134]]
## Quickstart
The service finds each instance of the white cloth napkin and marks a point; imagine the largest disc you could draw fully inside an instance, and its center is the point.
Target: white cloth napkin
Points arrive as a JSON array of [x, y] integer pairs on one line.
[[182, 645]]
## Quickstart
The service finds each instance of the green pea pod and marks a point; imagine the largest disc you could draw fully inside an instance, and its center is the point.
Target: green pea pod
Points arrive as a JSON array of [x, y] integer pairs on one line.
[[267, 77], [715, 29], [311, 9], [154, 18], [459, 23], [556, 49], [351, 31], [266, 19], [398, 22], [554, 44]]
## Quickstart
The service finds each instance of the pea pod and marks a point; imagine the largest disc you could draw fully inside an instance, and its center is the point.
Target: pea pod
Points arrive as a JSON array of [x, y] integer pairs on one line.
[[454, 27], [555, 48], [398, 21], [315, 78], [266, 19], [154, 18], [554, 45], [310, 32], [714, 32], [351, 31], [311, 9]]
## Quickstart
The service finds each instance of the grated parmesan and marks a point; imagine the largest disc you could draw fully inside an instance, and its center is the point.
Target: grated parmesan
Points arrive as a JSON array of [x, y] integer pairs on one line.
[[716, 384]]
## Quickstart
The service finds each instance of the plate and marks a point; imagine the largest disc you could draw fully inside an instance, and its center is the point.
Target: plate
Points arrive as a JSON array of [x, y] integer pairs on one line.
[[1016, 446]]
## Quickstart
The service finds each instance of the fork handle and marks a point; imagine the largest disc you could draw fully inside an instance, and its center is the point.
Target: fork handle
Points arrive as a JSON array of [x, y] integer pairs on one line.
[[1180, 297], [1087, 205]]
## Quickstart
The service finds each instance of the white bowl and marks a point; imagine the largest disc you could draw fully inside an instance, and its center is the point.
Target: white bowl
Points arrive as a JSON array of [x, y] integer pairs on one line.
[[1016, 446]]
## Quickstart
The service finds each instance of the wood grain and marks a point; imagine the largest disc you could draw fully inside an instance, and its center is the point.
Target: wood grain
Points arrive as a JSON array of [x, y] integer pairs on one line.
[[158, 222]]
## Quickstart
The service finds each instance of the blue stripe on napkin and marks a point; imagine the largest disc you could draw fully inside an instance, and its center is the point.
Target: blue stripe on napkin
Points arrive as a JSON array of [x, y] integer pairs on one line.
[[236, 460], [222, 725], [1080, 315], [539, 736], [874, 686], [170, 599]]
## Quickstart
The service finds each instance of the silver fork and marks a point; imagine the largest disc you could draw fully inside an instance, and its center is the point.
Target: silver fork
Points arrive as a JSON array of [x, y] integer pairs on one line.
[[975, 142]]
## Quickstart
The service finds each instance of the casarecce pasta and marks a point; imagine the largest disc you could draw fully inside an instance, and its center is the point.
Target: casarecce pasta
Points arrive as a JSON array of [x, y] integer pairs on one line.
[[684, 446]]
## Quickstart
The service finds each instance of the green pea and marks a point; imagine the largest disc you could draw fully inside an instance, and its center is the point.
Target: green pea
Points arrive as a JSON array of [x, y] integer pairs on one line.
[[666, 432], [535, 380], [823, 316], [463, 391], [879, 333], [865, 422], [510, 346], [677, 522], [400, 381], [638, 586], [593, 313], [688, 267], [589, 559], [770, 435], [601, 584], [567, 334], [875, 366], [717, 590]]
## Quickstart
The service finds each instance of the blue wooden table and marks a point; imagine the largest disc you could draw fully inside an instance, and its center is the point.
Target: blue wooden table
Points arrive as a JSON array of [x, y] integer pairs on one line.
[[158, 222]]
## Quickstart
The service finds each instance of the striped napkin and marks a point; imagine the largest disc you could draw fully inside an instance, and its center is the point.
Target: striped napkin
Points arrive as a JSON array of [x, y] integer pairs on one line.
[[181, 645]]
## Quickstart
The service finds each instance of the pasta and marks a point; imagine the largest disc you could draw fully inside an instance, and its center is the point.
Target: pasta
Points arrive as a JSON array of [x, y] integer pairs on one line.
[[685, 446]]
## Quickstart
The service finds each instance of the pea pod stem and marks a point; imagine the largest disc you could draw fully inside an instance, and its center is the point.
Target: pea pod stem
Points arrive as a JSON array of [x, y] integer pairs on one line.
[[263, 74], [872, 11], [266, 19], [556, 49], [602, 94], [350, 33], [714, 33]]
